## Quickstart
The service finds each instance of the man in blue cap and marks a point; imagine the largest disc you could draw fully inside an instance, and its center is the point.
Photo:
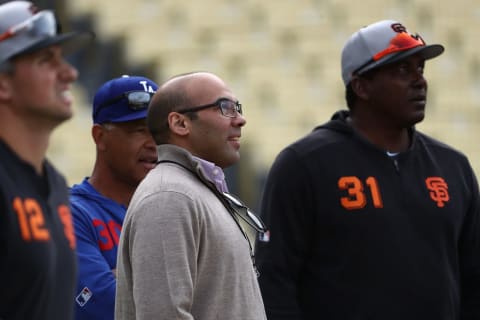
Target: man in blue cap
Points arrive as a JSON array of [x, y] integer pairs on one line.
[[125, 153], [37, 242]]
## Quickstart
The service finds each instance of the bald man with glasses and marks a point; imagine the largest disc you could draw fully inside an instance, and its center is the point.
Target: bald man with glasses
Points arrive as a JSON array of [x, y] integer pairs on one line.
[[186, 250]]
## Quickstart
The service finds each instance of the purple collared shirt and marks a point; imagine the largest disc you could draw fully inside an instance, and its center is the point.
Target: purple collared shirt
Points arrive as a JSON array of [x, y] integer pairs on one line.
[[214, 173]]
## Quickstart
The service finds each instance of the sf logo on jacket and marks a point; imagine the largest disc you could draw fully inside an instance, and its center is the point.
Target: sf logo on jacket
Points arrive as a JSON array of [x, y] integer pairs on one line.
[[358, 191]]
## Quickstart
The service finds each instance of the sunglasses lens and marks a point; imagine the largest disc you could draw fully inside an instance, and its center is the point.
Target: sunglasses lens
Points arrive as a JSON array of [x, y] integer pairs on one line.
[[245, 213], [259, 224], [138, 99], [232, 199], [403, 41], [43, 24]]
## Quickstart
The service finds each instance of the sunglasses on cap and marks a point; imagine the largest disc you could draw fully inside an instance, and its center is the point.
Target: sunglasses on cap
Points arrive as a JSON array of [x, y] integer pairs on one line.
[[137, 100], [229, 108], [401, 42], [42, 24]]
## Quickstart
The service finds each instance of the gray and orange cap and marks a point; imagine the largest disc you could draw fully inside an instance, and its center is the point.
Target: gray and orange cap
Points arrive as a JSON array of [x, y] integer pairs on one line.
[[382, 43], [25, 29]]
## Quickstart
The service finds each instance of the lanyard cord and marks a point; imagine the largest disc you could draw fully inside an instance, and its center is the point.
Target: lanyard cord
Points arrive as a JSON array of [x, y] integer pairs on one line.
[[226, 203]]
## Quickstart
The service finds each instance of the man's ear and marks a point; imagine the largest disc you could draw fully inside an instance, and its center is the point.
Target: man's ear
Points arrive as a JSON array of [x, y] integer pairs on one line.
[[179, 124], [361, 87], [5, 87], [98, 135]]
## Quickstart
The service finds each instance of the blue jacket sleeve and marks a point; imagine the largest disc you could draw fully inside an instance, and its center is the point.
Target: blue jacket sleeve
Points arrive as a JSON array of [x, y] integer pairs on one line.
[[95, 295]]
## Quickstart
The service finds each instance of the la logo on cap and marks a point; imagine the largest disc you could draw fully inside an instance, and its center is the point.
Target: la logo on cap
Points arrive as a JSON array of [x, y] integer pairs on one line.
[[147, 87]]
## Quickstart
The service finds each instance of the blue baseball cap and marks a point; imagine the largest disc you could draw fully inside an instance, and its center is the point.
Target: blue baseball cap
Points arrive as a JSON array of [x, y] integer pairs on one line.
[[123, 99]]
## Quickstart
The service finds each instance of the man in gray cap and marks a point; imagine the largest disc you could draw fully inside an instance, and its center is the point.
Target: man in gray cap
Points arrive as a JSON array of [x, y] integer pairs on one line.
[[369, 218], [37, 241]]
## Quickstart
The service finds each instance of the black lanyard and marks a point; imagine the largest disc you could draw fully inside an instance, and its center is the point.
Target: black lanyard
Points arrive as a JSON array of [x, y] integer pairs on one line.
[[228, 202]]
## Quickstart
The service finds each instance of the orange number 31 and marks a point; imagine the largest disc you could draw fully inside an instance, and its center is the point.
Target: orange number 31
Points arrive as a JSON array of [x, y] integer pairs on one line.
[[357, 198]]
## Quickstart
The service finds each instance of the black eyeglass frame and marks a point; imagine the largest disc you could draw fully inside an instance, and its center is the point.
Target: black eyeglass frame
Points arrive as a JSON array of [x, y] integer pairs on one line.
[[132, 104], [218, 103]]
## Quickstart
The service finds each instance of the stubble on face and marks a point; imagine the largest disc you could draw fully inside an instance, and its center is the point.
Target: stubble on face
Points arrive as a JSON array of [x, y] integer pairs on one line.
[[41, 86], [214, 137]]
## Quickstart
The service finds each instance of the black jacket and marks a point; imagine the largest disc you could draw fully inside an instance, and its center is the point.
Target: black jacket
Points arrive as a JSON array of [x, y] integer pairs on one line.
[[37, 257], [357, 234]]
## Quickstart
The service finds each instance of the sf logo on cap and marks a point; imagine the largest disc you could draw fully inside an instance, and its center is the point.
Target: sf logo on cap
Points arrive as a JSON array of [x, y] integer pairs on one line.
[[398, 27]]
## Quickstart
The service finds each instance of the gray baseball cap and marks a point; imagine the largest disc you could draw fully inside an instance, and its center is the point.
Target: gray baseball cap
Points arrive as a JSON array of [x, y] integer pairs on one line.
[[24, 29], [381, 43]]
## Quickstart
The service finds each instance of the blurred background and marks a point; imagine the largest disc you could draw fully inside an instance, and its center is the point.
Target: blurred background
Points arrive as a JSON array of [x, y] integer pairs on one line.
[[280, 57]]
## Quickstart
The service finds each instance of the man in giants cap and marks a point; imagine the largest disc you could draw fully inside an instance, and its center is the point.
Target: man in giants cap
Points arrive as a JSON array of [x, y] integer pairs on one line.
[[370, 218], [37, 242], [125, 153]]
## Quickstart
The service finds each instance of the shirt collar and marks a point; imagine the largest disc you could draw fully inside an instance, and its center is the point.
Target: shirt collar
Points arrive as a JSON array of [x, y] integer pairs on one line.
[[214, 173]]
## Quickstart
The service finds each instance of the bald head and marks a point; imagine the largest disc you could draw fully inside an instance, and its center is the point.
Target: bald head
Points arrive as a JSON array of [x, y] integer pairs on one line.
[[199, 113], [179, 92]]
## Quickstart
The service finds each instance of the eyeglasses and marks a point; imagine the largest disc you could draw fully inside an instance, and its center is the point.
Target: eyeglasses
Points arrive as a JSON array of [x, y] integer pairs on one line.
[[228, 107], [41, 24], [137, 100], [401, 42]]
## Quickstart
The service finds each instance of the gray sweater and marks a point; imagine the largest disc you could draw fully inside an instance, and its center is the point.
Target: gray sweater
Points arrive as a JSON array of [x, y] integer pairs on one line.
[[181, 254]]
